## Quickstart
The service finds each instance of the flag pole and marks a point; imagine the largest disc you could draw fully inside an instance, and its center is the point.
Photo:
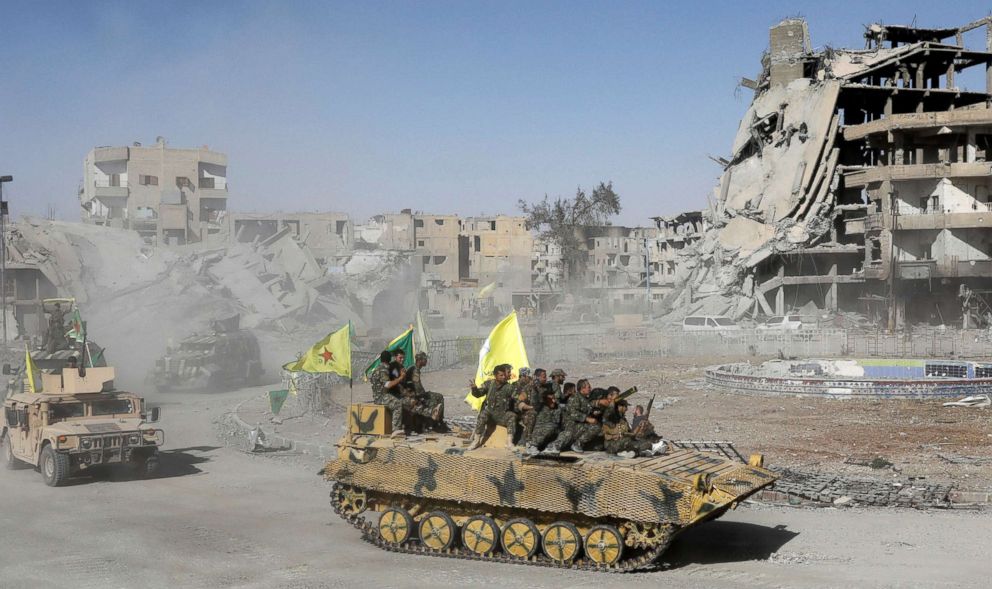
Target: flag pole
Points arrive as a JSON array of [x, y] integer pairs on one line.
[[351, 376]]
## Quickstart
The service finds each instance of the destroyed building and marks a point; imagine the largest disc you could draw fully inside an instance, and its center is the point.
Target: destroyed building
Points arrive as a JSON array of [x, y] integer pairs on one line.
[[859, 180], [167, 195]]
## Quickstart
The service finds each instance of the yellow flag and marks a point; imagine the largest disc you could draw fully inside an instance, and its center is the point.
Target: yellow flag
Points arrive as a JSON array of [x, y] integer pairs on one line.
[[34, 376], [505, 345], [486, 291], [331, 354]]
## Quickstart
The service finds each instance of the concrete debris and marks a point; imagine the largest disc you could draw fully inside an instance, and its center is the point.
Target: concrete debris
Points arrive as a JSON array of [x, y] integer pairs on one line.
[[128, 290], [971, 401]]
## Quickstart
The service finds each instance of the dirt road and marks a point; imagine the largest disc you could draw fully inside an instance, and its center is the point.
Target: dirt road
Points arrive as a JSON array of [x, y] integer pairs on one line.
[[221, 518]]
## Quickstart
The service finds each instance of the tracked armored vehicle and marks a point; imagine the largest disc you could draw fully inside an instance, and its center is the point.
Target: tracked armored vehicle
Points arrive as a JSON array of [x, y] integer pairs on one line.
[[589, 511], [225, 358]]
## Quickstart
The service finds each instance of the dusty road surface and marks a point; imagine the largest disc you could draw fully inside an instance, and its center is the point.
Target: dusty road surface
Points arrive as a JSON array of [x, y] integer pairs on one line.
[[220, 518]]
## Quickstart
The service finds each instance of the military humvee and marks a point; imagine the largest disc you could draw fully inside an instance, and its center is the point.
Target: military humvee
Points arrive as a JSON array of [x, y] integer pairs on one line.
[[227, 357], [78, 421], [592, 511]]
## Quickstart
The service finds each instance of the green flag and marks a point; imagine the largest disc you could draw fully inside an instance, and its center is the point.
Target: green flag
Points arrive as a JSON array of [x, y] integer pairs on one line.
[[404, 342], [276, 399]]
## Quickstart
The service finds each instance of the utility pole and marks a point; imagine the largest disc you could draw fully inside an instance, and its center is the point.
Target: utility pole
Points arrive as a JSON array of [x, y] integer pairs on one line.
[[3, 254]]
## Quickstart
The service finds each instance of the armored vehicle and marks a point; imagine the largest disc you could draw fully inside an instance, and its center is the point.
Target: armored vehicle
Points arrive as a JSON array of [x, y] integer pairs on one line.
[[590, 511], [225, 358], [75, 421]]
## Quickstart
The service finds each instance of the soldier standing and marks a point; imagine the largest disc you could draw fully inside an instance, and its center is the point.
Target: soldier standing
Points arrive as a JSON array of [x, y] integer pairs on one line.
[[497, 409], [557, 382], [527, 402], [386, 391], [581, 427], [431, 401]]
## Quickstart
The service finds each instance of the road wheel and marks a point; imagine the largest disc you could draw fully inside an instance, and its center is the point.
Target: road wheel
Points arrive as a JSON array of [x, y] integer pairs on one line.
[[562, 542], [480, 535], [604, 545], [10, 461], [520, 538], [54, 467], [438, 531], [395, 525]]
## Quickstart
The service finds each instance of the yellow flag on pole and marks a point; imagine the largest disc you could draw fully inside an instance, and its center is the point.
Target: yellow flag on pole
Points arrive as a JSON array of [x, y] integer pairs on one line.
[[505, 345], [331, 354], [32, 372]]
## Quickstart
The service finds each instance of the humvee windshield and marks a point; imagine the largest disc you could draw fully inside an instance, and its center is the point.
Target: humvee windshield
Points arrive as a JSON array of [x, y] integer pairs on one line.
[[110, 407], [66, 411]]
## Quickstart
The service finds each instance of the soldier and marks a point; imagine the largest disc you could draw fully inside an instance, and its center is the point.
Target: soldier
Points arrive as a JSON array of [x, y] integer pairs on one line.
[[581, 426], [433, 402], [548, 423], [527, 402], [642, 425], [557, 380], [621, 440], [413, 403], [386, 390], [566, 393], [56, 329], [497, 408], [541, 377]]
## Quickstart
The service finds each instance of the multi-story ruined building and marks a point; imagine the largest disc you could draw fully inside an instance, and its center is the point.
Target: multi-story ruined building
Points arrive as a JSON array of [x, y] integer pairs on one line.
[[859, 180], [167, 195], [329, 236]]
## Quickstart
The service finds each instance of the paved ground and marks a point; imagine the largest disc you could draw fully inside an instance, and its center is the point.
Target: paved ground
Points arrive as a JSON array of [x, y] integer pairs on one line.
[[220, 518]]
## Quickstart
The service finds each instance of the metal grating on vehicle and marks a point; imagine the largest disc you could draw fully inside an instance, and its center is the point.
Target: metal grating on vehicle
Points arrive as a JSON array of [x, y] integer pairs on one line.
[[102, 428]]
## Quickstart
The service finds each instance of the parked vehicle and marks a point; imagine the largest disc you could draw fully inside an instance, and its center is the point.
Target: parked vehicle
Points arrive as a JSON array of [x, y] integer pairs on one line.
[[709, 323], [782, 322]]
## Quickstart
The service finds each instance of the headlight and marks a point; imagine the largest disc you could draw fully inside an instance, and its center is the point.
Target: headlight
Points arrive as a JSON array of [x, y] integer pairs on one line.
[[86, 443], [133, 440]]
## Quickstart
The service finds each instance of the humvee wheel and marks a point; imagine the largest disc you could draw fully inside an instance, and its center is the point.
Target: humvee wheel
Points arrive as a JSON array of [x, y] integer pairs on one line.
[[604, 545], [150, 467], [520, 538], [561, 542], [438, 531], [395, 525], [54, 467], [480, 534]]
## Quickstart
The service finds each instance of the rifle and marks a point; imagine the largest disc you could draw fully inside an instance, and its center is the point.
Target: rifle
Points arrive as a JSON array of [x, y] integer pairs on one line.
[[647, 411]]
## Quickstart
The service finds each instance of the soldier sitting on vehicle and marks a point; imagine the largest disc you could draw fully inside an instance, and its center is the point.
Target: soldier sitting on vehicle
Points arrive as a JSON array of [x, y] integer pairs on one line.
[[642, 425], [431, 401], [497, 409], [526, 402], [566, 393], [413, 403], [622, 440], [548, 423], [581, 424], [386, 390]]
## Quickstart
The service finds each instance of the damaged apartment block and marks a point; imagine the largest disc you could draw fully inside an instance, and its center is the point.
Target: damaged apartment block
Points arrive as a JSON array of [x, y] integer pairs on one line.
[[859, 181]]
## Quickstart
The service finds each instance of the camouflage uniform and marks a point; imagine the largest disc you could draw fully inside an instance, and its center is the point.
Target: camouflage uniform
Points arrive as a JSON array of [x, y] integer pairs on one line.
[[547, 426], [427, 399], [577, 431], [497, 408], [620, 438], [382, 396], [529, 394]]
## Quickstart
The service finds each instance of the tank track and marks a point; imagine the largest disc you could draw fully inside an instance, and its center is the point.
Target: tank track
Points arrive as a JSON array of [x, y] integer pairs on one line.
[[413, 546]]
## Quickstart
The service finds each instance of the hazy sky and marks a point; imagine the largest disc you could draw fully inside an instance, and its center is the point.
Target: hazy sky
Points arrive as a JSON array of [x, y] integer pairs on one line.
[[373, 106]]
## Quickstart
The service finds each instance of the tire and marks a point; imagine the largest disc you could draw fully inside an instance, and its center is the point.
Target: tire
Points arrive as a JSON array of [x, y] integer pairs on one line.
[[54, 466], [10, 461]]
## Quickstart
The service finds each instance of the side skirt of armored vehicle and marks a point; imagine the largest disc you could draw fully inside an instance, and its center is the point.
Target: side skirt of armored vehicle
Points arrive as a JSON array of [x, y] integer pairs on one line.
[[588, 511]]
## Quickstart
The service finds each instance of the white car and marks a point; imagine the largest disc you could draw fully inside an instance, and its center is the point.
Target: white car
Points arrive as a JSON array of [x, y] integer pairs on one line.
[[782, 322], [709, 323]]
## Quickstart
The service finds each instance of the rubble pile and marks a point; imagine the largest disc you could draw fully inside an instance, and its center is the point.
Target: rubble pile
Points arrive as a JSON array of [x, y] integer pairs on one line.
[[133, 294]]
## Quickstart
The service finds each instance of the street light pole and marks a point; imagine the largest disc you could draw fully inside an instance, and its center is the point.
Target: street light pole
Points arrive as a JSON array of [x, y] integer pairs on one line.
[[3, 254]]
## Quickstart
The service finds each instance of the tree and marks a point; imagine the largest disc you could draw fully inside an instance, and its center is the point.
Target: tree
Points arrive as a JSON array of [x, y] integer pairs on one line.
[[560, 222]]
